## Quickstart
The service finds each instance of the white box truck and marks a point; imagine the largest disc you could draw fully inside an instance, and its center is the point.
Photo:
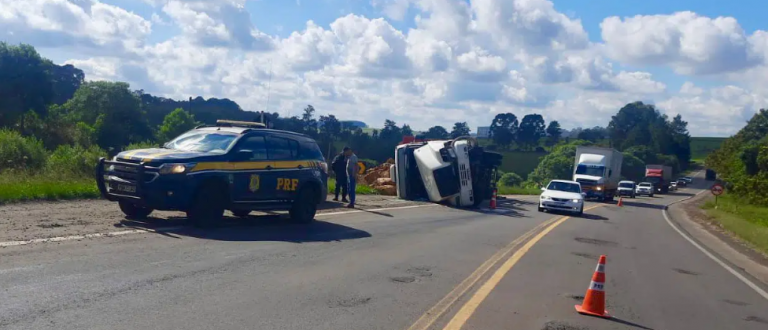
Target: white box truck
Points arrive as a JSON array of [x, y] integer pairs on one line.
[[457, 171], [598, 170]]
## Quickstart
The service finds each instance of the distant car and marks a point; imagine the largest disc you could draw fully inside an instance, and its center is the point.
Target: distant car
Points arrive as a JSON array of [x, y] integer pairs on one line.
[[644, 188], [562, 195], [627, 188], [688, 179], [673, 186], [681, 182]]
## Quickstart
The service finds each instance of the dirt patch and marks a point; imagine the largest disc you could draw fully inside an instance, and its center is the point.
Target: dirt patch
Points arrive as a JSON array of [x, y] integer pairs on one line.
[[33, 220], [420, 271], [403, 279], [686, 272], [576, 297], [350, 302], [735, 302], [595, 241], [585, 255]]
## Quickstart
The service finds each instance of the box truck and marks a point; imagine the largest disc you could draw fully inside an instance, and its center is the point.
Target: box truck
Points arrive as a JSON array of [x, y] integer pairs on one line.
[[659, 176], [598, 170]]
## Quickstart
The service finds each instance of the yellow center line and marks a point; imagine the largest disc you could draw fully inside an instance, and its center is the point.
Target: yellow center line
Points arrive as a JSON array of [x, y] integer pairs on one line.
[[470, 306], [428, 318]]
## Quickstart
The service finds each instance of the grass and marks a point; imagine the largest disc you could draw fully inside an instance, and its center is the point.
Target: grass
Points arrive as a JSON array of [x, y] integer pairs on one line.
[[703, 146], [504, 190], [360, 189], [15, 187], [749, 222]]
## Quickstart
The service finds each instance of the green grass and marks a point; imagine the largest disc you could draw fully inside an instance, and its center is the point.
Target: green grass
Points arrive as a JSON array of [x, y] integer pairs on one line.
[[360, 189], [16, 187], [749, 222], [703, 146], [504, 190]]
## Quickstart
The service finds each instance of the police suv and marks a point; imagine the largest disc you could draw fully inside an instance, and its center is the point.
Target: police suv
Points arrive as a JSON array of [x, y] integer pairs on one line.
[[233, 165]]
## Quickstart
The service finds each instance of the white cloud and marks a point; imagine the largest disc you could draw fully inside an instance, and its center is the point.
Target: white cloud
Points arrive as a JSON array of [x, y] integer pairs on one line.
[[690, 43], [461, 60]]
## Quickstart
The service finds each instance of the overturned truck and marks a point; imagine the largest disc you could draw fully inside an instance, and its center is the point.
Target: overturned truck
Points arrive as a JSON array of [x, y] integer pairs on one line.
[[458, 171]]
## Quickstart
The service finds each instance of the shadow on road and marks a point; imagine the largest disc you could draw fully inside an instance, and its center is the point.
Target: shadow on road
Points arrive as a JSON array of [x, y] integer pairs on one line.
[[252, 228], [593, 217], [643, 205], [506, 207]]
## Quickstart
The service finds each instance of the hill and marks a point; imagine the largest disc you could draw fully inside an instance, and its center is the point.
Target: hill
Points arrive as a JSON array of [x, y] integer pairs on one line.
[[703, 146]]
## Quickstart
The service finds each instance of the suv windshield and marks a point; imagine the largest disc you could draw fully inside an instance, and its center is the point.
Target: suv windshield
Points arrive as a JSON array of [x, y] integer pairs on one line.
[[203, 141], [625, 185], [564, 186]]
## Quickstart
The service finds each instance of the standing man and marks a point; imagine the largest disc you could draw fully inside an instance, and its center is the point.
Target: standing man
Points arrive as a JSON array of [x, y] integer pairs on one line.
[[351, 175], [339, 166]]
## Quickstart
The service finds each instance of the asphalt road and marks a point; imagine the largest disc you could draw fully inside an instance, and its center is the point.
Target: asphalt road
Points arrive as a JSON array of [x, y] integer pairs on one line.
[[428, 267]]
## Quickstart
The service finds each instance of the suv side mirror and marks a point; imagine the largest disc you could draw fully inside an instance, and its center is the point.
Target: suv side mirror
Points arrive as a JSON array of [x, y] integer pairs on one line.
[[242, 155]]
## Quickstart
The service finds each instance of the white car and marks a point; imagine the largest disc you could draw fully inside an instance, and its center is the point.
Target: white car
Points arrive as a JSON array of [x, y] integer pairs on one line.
[[562, 195], [645, 188], [673, 186]]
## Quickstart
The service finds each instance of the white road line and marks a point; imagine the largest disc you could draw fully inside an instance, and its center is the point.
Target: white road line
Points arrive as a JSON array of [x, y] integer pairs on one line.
[[746, 281], [164, 229]]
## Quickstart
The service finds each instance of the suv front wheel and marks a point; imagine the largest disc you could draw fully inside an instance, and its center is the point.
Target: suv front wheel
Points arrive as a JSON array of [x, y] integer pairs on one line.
[[133, 211], [304, 206]]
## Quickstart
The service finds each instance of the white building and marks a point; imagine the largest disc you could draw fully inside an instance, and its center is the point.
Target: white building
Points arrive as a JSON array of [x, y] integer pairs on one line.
[[484, 132]]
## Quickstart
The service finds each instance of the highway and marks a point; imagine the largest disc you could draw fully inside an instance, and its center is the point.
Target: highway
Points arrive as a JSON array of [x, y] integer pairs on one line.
[[426, 267]]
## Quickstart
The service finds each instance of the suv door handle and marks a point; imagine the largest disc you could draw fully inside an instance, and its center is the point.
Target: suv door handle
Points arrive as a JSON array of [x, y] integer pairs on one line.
[[269, 167]]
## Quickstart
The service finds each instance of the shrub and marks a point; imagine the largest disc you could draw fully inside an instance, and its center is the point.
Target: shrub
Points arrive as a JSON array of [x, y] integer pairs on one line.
[[18, 152], [75, 160], [511, 180]]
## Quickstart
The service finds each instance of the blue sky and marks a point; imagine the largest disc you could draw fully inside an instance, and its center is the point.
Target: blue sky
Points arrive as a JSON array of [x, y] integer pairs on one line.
[[520, 56]]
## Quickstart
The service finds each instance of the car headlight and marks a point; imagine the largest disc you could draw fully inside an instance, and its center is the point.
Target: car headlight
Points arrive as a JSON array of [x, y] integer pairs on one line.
[[545, 198], [111, 168], [176, 168], [576, 200], [599, 188]]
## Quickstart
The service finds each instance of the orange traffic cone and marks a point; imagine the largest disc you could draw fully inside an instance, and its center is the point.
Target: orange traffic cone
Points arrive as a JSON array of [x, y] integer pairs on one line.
[[621, 201], [594, 300], [493, 199]]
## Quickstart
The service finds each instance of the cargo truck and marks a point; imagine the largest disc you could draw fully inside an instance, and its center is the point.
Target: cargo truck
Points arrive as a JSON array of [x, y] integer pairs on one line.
[[660, 176], [598, 170], [457, 172]]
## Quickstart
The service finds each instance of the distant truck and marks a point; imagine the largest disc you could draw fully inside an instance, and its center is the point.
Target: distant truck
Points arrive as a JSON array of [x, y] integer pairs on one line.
[[598, 170], [660, 176]]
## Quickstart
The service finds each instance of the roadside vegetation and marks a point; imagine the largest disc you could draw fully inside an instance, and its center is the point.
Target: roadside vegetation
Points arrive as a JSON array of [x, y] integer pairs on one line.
[[360, 189], [741, 163]]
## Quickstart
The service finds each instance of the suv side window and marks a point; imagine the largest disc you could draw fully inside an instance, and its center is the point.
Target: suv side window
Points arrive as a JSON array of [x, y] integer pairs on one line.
[[255, 144], [310, 150], [282, 148]]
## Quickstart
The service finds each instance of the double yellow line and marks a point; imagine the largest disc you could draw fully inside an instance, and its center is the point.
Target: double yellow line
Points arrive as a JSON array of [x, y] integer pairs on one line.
[[466, 311]]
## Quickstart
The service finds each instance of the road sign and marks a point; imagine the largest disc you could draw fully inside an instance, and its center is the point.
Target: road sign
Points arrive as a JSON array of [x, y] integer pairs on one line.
[[361, 168], [717, 189]]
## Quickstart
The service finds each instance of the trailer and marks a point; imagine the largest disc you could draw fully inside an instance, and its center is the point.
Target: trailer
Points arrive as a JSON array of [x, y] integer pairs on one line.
[[660, 176]]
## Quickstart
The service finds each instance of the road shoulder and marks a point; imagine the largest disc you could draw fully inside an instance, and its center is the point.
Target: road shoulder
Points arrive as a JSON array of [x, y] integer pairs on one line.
[[693, 221]]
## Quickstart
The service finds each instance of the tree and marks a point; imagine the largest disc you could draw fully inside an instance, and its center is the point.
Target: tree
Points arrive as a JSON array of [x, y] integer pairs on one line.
[[330, 127], [174, 124], [66, 80], [531, 129], [556, 165], [436, 133], [594, 134], [390, 132], [554, 132], [113, 111], [406, 130], [308, 121], [25, 83], [504, 129], [631, 125], [460, 129]]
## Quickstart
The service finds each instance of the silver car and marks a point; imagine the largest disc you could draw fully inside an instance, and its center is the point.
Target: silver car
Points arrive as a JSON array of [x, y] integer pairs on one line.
[[645, 188]]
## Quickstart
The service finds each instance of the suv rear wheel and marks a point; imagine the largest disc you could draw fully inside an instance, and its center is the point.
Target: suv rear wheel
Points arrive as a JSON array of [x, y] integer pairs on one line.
[[304, 206], [208, 207], [133, 211]]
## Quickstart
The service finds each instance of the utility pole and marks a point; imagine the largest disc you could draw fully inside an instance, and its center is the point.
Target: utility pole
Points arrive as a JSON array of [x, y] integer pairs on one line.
[[190, 105]]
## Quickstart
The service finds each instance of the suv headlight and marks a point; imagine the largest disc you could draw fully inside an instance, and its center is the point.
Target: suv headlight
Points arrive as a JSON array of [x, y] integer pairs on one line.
[[598, 188], [176, 168], [576, 200]]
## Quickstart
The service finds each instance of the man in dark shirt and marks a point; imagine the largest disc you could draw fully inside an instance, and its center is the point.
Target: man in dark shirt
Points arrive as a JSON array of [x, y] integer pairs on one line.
[[339, 166]]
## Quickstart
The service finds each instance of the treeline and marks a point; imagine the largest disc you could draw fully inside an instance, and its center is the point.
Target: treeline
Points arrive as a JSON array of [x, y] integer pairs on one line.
[[640, 131], [742, 161]]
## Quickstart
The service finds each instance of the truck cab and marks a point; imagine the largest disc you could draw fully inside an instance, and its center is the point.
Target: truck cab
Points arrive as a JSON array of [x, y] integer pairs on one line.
[[598, 171]]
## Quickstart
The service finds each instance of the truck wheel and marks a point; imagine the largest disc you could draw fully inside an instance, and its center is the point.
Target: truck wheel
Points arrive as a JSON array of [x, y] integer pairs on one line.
[[208, 207], [133, 211], [241, 213], [304, 206]]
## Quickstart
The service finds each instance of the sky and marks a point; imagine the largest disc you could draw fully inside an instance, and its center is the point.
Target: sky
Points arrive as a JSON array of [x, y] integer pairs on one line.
[[421, 62]]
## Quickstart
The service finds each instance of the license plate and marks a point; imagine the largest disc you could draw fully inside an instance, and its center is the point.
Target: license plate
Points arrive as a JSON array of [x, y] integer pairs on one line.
[[125, 188]]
